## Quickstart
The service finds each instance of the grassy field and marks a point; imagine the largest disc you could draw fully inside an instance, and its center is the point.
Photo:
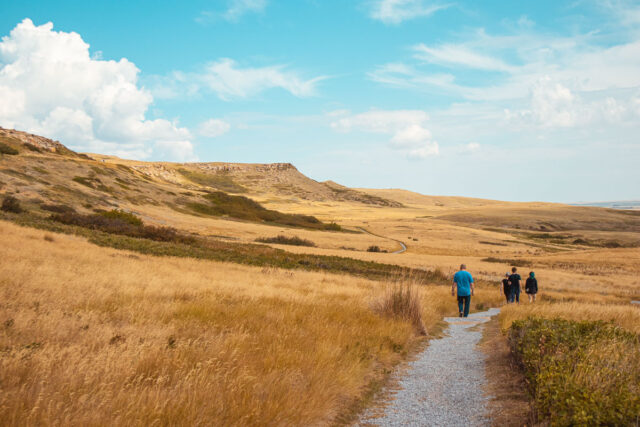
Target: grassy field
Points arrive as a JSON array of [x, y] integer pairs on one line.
[[92, 334]]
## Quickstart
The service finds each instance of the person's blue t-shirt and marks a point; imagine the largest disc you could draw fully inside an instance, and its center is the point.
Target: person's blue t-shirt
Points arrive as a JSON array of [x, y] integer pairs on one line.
[[464, 280]]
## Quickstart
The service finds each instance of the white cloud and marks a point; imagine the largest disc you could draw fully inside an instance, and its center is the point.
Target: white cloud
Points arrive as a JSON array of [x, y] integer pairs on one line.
[[471, 147], [228, 80], [552, 105], [213, 128], [406, 128], [456, 55], [52, 86], [541, 80], [235, 10], [396, 11]]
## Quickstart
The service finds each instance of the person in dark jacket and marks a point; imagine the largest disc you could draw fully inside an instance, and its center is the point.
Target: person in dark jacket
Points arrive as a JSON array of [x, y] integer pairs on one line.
[[514, 282], [531, 287], [506, 287]]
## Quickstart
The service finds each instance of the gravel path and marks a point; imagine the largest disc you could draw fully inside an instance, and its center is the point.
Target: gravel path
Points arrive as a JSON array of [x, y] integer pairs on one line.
[[445, 385]]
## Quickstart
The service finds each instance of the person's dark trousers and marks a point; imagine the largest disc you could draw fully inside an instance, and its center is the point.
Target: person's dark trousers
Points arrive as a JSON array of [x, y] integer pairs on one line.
[[463, 305], [515, 295]]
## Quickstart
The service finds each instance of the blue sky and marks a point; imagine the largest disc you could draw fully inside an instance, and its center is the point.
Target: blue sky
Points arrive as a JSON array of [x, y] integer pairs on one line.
[[507, 100]]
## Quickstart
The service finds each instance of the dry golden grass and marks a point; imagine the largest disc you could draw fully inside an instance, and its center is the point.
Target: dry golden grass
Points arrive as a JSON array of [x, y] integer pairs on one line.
[[92, 336], [626, 316]]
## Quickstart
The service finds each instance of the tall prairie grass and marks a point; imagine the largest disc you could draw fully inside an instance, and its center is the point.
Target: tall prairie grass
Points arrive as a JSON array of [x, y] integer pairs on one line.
[[92, 335]]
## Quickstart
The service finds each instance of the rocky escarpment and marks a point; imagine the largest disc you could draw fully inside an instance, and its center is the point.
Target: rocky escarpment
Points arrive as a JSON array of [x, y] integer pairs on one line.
[[40, 142]]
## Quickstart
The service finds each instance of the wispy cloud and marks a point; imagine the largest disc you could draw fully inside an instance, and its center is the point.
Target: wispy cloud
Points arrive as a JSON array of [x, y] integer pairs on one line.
[[235, 10], [229, 80], [397, 11], [539, 79], [460, 56]]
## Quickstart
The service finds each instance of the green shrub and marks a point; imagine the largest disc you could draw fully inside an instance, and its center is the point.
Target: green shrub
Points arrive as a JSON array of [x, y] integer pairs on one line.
[[11, 204], [240, 207], [123, 216], [332, 227], [121, 223], [6, 149], [284, 240], [373, 248], [579, 373]]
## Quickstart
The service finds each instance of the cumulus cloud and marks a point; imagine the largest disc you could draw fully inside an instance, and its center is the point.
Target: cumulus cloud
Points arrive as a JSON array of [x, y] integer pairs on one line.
[[213, 128], [396, 11], [50, 85], [553, 105], [406, 128]]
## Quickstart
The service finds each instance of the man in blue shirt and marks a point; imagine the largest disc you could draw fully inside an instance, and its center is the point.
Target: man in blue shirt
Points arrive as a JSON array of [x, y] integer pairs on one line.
[[464, 282]]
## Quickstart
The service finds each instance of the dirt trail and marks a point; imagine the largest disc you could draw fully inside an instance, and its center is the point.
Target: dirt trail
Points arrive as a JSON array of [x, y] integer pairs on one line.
[[445, 385], [403, 249]]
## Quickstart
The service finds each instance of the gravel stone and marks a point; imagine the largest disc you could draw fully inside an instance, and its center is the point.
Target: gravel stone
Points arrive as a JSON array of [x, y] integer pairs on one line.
[[445, 385]]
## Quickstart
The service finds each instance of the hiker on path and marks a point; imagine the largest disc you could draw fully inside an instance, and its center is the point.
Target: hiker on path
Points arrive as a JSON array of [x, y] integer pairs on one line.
[[531, 286], [463, 281], [514, 282], [506, 287]]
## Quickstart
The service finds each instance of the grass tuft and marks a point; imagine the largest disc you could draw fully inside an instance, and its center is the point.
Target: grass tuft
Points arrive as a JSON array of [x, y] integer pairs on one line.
[[401, 300]]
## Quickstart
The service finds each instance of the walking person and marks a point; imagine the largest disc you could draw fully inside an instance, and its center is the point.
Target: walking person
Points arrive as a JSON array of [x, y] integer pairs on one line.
[[514, 282], [531, 286], [463, 284], [506, 288]]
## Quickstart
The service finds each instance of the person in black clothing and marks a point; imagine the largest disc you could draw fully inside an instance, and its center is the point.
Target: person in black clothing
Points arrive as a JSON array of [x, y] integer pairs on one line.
[[506, 287], [514, 282], [531, 287]]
